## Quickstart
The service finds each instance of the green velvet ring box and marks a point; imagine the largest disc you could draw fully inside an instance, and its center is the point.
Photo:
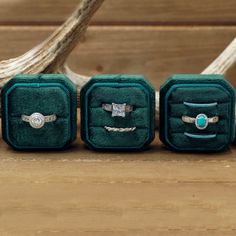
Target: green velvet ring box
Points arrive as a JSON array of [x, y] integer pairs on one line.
[[39, 112], [197, 113], [117, 112]]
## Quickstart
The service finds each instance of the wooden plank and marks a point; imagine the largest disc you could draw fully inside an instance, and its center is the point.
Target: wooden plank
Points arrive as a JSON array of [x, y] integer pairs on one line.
[[80, 192], [122, 11], [156, 52]]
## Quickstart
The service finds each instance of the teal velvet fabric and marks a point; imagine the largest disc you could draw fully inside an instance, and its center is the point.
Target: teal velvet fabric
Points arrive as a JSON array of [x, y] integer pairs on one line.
[[119, 89], [45, 94], [175, 96]]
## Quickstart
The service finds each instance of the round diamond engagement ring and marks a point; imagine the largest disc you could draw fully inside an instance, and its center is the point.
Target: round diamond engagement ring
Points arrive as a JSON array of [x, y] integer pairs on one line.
[[37, 120]]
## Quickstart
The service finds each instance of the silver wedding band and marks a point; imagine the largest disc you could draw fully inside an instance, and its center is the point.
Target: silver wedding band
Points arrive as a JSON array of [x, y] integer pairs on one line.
[[37, 120], [120, 130]]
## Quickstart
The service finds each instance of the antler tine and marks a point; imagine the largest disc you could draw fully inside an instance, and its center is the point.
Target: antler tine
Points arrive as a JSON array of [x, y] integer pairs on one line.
[[51, 54], [224, 61]]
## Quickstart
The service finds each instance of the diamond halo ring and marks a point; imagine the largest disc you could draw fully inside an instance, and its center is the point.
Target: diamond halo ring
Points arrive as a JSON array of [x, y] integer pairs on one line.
[[37, 120]]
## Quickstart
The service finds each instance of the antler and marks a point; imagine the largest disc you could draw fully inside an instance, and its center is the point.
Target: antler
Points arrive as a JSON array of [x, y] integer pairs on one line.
[[224, 61], [50, 56]]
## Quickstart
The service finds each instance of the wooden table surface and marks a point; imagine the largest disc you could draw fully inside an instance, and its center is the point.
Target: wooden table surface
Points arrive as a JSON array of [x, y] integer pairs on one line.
[[81, 192]]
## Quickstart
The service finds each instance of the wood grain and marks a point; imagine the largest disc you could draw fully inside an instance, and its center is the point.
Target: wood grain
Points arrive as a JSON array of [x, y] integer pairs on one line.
[[122, 12], [80, 192], [156, 52]]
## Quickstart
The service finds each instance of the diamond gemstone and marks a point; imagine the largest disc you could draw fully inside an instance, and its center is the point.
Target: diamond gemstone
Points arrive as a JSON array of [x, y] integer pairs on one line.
[[118, 110], [36, 120]]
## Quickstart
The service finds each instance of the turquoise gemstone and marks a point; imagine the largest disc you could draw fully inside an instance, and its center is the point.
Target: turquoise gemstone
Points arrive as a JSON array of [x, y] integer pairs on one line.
[[201, 121]]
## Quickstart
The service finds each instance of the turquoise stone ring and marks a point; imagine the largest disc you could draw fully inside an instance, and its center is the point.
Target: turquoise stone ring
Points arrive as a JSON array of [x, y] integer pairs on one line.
[[201, 121]]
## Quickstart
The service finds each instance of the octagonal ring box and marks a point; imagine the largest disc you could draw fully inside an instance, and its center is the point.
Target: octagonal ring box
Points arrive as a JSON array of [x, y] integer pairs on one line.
[[50, 95], [128, 123], [197, 113]]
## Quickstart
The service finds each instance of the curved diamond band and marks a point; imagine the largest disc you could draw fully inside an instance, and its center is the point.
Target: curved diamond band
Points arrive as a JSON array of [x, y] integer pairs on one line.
[[118, 109], [37, 120], [201, 121], [120, 130]]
